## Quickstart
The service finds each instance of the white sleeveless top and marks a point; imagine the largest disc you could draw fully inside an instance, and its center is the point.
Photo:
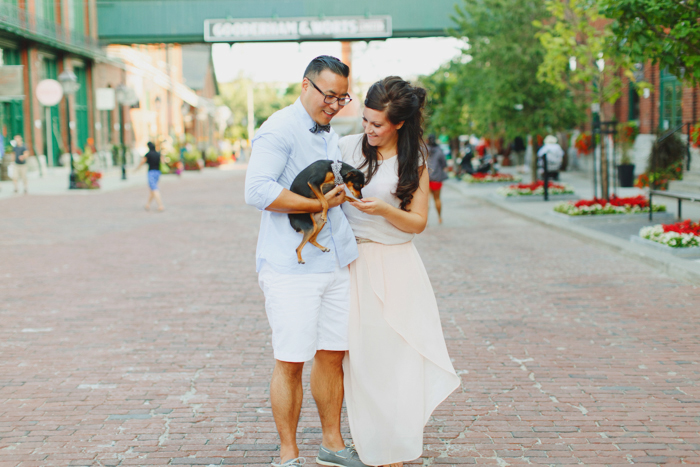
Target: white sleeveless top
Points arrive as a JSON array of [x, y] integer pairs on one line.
[[382, 186]]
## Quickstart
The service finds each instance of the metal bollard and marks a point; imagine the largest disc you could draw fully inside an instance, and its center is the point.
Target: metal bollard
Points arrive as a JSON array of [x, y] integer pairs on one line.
[[546, 177]]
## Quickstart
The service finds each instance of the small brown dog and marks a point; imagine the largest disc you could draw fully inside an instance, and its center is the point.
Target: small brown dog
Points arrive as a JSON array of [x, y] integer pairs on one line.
[[313, 182]]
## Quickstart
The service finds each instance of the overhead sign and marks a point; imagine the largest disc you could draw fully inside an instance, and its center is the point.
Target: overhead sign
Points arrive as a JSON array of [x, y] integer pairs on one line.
[[49, 92], [296, 29], [11, 83]]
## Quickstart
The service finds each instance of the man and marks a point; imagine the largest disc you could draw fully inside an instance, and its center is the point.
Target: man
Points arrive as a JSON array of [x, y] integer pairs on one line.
[[554, 155], [307, 305], [21, 156]]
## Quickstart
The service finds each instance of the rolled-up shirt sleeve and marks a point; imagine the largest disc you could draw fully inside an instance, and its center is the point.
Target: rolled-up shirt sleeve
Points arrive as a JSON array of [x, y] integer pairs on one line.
[[267, 162]]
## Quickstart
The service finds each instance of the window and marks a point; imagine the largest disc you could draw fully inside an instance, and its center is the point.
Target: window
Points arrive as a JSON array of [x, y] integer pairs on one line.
[[633, 103], [670, 98], [76, 9], [12, 113], [81, 108]]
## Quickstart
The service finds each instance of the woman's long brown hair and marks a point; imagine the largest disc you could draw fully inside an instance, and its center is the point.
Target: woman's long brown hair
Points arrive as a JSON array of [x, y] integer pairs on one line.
[[401, 102]]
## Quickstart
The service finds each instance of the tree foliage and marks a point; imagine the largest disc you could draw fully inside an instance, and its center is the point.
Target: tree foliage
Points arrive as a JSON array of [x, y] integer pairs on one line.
[[579, 55], [446, 103], [664, 31], [268, 98], [494, 83]]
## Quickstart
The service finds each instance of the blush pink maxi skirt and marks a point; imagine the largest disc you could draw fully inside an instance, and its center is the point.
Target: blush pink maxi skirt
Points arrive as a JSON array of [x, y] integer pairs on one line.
[[397, 369]]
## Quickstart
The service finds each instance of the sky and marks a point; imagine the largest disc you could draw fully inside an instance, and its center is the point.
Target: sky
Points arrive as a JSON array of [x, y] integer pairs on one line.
[[285, 62]]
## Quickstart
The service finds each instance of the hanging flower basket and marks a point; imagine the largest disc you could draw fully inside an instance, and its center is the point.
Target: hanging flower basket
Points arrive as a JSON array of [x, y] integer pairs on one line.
[[597, 206], [533, 189], [584, 144]]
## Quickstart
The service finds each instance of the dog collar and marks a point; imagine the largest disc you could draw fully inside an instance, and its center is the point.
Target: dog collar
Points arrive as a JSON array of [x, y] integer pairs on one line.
[[335, 167]]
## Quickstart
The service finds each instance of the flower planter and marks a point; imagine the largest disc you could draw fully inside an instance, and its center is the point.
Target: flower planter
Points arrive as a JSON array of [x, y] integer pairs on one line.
[[88, 180], [479, 178], [85, 186], [528, 190], [193, 166], [625, 175], [596, 218], [615, 208], [537, 198], [692, 252]]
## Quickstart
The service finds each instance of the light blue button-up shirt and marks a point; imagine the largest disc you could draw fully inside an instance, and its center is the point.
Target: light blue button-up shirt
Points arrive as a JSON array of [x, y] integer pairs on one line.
[[282, 148]]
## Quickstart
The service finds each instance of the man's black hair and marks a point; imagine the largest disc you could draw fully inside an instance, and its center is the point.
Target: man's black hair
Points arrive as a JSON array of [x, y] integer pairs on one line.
[[326, 62]]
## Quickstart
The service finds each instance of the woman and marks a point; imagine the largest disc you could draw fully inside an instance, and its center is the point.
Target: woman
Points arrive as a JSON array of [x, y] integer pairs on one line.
[[436, 172], [153, 159], [397, 370]]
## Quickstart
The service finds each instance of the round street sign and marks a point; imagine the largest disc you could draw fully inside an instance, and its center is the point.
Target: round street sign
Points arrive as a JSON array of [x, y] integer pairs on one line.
[[49, 92]]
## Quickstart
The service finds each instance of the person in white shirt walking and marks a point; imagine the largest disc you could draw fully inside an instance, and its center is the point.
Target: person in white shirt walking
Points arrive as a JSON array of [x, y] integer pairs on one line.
[[555, 156], [307, 304]]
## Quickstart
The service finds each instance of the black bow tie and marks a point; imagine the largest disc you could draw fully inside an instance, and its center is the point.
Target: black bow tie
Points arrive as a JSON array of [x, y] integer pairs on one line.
[[319, 128]]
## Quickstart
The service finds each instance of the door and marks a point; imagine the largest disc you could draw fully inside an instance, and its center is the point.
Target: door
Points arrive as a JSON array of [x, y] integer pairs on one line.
[[81, 108], [670, 99]]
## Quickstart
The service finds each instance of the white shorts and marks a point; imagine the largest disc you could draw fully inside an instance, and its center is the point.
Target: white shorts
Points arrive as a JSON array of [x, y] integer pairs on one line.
[[307, 312]]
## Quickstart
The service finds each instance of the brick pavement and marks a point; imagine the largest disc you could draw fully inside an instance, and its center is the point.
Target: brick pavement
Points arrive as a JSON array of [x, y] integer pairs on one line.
[[134, 338]]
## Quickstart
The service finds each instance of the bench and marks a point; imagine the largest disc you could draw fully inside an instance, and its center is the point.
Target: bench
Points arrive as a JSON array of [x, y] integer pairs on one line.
[[673, 194]]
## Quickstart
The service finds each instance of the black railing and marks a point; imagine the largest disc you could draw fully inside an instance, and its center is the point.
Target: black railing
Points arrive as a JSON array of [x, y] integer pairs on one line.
[[671, 131]]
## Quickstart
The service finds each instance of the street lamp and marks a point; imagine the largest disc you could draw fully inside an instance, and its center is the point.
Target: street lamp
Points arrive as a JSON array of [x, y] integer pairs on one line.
[[70, 85], [122, 93], [157, 106]]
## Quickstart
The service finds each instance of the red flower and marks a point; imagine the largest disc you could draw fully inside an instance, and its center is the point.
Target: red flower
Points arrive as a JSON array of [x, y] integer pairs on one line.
[[685, 227], [536, 185], [631, 201]]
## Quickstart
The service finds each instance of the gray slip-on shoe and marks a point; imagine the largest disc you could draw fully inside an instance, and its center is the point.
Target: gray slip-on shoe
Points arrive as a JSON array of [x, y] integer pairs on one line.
[[296, 462], [347, 457]]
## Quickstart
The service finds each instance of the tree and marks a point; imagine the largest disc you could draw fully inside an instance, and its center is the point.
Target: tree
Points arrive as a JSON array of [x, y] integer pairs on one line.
[[664, 31], [494, 83], [580, 56], [446, 104], [268, 99]]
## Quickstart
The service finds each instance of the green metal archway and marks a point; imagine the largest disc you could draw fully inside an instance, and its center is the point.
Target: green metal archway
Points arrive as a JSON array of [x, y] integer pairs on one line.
[[183, 21]]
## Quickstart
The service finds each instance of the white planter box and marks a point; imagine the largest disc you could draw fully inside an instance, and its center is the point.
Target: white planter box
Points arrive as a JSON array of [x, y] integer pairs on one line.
[[538, 198], [692, 252], [661, 217]]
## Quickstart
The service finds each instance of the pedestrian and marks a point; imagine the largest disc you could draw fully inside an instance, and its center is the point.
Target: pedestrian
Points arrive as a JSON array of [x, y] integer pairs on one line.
[[307, 305], [397, 368], [465, 165], [153, 159], [20, 169], [436, 172], [518, 148], [554, 155]]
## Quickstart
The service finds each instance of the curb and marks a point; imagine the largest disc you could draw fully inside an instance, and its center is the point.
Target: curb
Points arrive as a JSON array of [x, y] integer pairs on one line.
[[668, 264]]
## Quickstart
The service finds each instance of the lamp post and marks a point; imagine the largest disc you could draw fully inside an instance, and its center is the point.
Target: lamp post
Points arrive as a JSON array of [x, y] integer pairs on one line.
[[157, 105], [70, 85], [122, 96]]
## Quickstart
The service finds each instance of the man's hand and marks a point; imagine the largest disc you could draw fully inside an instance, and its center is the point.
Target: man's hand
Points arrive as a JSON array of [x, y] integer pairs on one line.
[[336, 196]]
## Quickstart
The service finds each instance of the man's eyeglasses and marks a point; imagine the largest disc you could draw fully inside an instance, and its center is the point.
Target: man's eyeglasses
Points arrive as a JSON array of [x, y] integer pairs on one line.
[[328, 99]]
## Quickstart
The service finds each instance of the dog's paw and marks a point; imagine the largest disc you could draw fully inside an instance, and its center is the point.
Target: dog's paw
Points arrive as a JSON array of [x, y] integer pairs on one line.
[[326, 250], [302, 262]]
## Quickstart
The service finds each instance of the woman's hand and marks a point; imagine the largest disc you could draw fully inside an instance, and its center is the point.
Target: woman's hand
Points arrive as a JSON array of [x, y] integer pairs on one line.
[[372, 206]]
